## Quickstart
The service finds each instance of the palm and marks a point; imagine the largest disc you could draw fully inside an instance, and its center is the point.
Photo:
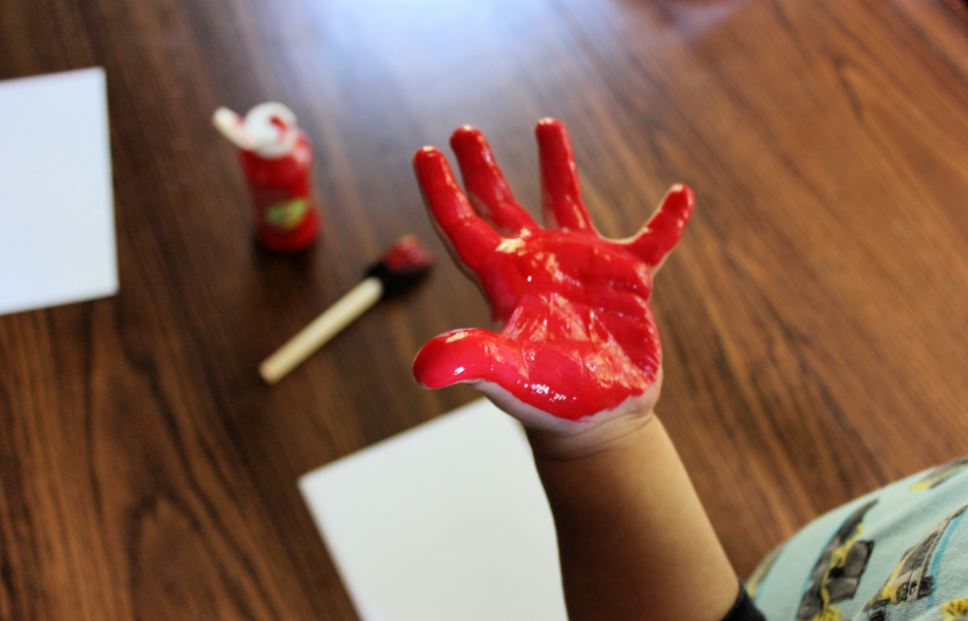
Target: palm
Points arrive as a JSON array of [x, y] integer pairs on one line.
[[578, 337]]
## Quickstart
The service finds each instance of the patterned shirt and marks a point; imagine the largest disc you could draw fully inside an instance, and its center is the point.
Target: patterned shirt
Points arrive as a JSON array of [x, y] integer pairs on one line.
[[897, 554]]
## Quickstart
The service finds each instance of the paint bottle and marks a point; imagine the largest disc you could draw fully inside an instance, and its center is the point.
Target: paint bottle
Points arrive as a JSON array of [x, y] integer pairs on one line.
[[276, 157]]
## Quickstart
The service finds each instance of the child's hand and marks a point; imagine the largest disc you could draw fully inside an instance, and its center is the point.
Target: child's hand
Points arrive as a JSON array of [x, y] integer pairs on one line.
[[579, 344]]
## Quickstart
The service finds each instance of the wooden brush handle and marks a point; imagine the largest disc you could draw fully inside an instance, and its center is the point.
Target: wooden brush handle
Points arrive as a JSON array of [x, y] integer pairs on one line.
[[356, 302]]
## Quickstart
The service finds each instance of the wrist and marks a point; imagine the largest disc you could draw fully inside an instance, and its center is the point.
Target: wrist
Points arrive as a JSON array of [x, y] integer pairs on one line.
[[591, 438]]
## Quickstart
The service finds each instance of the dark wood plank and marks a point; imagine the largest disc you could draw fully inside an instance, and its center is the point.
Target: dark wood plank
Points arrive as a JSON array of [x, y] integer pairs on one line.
[[815, 317]]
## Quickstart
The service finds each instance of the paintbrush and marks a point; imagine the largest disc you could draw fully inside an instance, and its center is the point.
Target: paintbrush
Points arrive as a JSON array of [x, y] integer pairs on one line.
[[401, 267]]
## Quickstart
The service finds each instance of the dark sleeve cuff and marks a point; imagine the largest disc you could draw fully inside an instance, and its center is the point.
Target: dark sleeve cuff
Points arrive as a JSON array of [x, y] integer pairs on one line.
[[743, 608]]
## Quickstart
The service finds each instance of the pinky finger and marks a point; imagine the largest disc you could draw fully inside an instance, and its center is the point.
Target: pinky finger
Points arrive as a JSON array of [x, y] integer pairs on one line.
[[661, 233]]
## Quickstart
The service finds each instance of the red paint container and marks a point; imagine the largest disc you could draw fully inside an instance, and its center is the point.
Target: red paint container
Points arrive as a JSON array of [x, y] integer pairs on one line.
[[276, 158]]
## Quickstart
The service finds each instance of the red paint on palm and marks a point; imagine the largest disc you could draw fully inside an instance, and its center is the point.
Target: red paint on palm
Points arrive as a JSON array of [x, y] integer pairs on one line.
[[577, 334]]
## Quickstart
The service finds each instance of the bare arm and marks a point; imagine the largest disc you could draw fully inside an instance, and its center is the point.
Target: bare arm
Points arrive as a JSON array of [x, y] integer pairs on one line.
[[633, 539]]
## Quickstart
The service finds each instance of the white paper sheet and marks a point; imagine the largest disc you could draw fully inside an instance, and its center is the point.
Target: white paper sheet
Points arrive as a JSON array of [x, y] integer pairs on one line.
[[56, 204], [446, 521]]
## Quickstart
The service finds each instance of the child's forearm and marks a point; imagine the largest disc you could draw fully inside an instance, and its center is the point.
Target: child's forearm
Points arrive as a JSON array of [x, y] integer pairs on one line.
[[634, 540]]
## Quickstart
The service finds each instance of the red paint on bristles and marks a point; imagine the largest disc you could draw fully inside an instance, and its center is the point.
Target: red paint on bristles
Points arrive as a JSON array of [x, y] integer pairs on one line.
[[407, 254]]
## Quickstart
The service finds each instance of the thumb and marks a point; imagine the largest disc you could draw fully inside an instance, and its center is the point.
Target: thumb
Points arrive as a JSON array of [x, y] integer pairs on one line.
[[469, 355]]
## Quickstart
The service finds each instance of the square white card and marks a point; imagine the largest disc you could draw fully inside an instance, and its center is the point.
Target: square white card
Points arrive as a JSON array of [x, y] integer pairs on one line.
[[56, 203], [445, 521]]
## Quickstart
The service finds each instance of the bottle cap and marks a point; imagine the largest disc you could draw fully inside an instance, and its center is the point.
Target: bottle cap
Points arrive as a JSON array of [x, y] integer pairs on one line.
[[269, 129]]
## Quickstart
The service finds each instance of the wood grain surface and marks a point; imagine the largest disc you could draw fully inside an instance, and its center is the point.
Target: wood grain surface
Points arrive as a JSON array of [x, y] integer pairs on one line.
[[815, 316]]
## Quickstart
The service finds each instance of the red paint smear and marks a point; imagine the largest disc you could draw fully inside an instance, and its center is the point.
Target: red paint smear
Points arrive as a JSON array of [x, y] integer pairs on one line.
[[407, 254], [578, 336]]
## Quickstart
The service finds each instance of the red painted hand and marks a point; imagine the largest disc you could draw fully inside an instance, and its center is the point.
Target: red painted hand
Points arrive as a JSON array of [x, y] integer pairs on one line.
[[578, 337]]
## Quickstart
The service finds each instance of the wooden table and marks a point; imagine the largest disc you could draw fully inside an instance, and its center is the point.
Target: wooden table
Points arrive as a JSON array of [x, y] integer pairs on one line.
[[815, 317]]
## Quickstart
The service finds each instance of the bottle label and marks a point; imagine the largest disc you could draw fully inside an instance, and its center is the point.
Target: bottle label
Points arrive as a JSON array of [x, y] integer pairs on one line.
[[286, 215]]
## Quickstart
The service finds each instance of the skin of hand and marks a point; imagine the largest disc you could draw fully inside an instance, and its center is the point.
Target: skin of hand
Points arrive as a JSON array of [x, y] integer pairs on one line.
[[578, 362], [578, 358]]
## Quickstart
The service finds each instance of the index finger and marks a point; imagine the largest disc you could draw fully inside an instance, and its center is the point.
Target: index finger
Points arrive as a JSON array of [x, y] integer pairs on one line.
[[469, 236]]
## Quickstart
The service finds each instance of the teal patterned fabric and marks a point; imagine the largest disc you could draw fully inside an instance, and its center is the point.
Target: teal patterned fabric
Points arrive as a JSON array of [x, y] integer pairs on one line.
[[895, 554]]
